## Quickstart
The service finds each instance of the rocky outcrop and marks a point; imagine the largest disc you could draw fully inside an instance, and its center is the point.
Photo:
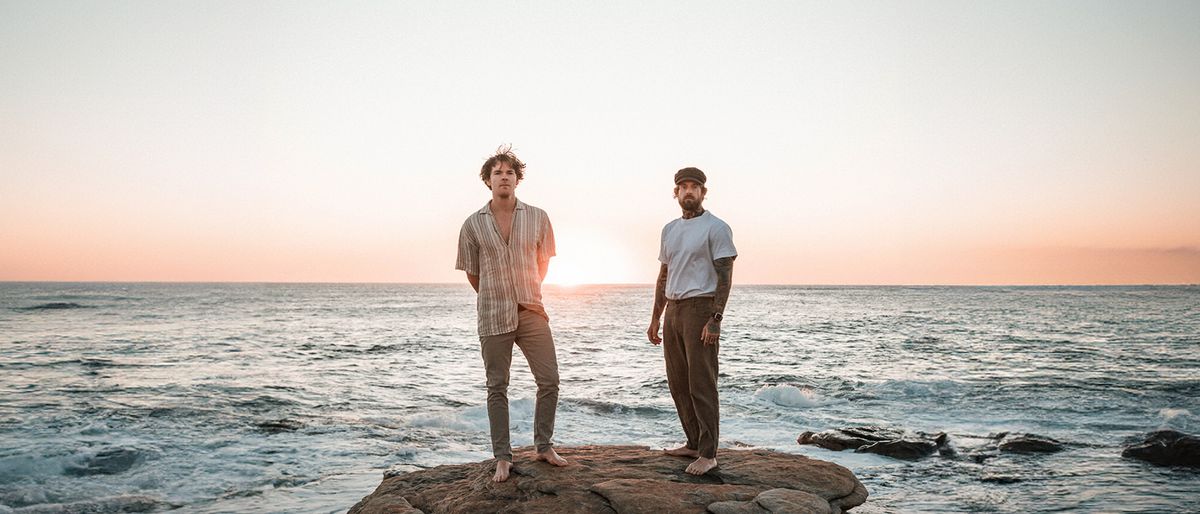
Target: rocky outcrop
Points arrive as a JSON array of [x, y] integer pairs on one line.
[[907, 445], [884, 441], [1166, 448], [624, 479]]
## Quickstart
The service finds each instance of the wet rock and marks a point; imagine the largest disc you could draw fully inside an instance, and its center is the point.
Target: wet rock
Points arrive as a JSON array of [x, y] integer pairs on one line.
[[107, 462], [1028, 443], [1166, 448], [904, 449], [623, 479], [850, 438], [891, 442]]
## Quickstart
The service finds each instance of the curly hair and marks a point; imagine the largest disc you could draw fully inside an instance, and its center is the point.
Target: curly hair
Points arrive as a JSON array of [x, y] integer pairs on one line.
[[504, 155]]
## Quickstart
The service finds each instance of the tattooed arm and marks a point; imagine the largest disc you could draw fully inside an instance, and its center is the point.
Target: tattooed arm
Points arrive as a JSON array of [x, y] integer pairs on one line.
[[660, 303], [724, 267]]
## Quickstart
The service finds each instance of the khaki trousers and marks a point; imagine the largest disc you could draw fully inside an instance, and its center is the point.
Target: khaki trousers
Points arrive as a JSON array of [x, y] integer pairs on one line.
[[533, 338], [692, 372]]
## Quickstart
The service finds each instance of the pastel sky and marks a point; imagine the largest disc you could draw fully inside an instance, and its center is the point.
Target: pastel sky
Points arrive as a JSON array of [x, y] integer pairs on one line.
[[1005, 142]]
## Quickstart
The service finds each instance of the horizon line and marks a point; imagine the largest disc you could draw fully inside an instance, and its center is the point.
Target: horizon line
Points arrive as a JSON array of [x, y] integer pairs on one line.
[[608, 284]]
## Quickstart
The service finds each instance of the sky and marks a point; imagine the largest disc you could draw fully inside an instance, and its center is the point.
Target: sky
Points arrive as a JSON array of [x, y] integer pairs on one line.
[[1006, 142]]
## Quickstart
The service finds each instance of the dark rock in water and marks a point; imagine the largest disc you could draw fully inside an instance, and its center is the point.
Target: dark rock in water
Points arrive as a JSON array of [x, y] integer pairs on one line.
[[884, 441], [280, 425], [107, 462], [1029, 443], [624, 479], [1167, 448], [850, 438], [904, 449]]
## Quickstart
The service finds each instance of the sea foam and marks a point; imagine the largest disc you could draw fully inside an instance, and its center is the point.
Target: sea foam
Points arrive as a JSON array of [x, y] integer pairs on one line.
[[788, 396]]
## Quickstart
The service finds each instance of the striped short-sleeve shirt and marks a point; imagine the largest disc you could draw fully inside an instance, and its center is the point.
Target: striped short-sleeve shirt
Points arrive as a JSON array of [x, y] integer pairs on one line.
[[508, 272]]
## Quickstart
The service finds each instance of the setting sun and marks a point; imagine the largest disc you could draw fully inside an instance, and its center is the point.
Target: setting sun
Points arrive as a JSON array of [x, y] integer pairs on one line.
[[590, 260]]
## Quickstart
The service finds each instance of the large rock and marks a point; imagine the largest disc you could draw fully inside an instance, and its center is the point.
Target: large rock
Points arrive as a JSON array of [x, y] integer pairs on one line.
[[850, 438], [624, 479], [884, 441], [1167, 448], [1028, 443]]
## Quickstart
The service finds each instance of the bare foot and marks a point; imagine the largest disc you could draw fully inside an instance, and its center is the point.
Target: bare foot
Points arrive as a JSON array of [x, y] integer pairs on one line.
[[682, 451], [502, 469], [701, 466], [552, 457]]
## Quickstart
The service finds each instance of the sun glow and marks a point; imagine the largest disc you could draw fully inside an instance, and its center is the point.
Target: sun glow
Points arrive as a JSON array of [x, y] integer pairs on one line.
[[590, 260]]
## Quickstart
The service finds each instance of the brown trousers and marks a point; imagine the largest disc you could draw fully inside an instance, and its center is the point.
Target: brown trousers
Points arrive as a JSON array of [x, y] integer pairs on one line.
[[534, 338], [692, 372]]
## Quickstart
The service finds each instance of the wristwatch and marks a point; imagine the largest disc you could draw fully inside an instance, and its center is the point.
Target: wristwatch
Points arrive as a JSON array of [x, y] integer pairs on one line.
[[717, 316]]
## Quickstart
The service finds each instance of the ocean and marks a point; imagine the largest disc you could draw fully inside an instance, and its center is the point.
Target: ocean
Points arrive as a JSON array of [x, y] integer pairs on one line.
[[297, 397]]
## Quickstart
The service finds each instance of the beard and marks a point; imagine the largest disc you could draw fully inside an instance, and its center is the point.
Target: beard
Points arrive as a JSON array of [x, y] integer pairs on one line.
[[690, 203]]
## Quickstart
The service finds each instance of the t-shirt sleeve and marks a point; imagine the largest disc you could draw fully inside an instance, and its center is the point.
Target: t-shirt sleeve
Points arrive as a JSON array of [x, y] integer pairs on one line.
[[720, 242], [546, 243], [662, 246], [468, 251]]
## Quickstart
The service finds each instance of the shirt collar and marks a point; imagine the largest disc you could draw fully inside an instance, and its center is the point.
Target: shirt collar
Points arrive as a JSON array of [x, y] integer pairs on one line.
[[487, 207]]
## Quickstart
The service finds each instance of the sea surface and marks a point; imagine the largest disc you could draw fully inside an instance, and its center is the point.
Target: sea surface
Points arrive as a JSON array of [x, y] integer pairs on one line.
[[297, 397]]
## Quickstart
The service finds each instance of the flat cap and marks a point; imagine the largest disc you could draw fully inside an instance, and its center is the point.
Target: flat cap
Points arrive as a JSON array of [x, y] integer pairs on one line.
[[690, 174]]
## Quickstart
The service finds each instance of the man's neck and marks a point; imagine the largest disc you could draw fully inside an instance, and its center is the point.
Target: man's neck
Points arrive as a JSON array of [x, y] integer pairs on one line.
[[507, 204], [692, 213]]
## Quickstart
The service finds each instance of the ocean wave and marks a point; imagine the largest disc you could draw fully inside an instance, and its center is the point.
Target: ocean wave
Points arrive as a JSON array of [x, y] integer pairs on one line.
[[457, 421], [472, 418], [109, 461], [603, 407], [918, 388], [101, 461], [1171, 414], [789, 396], [53, 306], [114, 504], [264, 402], [1177, 419]]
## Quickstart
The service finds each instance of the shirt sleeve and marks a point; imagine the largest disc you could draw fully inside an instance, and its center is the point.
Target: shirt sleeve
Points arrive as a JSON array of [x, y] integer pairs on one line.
[[662, 246], [720, 242], [546, 243], [468, 251]]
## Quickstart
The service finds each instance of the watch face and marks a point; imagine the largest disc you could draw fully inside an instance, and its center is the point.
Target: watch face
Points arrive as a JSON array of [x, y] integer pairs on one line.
[[718, 316]]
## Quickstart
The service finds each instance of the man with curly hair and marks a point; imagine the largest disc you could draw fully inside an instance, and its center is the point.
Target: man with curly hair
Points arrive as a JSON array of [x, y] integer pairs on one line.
[[505, 249]]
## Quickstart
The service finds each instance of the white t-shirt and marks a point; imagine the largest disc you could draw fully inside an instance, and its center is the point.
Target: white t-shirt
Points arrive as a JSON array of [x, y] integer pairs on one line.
[[689, 248]]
